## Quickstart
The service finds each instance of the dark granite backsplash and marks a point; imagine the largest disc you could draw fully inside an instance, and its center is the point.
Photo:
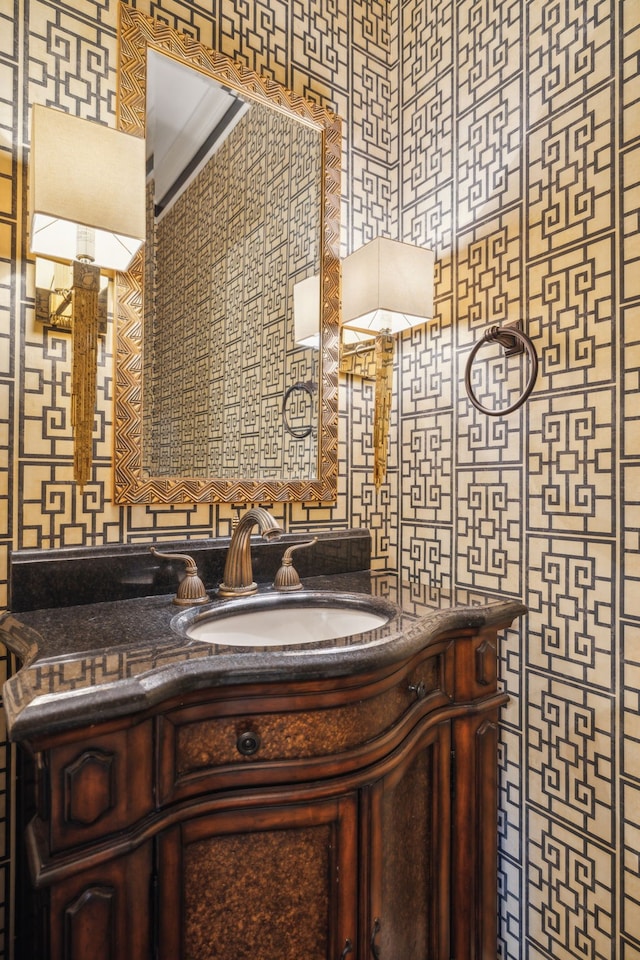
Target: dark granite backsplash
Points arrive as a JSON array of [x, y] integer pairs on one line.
[[43, 579]]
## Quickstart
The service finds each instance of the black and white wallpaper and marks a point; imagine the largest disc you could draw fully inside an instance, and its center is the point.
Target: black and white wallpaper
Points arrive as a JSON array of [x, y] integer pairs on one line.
[[505, 134]]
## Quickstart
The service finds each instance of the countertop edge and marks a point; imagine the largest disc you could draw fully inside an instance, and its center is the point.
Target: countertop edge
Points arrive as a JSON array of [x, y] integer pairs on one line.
[[33, 715]]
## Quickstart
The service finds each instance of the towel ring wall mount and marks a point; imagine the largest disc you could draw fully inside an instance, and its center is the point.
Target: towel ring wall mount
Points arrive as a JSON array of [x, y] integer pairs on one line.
[[514, 341]]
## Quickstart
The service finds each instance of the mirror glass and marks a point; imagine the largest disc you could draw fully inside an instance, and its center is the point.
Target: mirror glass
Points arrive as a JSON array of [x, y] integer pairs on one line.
[[215, 400]]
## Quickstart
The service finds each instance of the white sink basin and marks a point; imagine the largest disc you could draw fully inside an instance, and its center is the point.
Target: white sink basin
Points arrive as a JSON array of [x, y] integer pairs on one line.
[[283, 621]]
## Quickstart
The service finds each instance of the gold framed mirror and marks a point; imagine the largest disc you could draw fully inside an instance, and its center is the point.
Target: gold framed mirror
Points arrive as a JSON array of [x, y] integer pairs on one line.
[[162, 411]]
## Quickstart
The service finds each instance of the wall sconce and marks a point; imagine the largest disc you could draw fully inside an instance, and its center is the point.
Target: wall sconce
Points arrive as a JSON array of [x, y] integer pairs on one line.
[[88, 210], [387, 287], [306, 312]]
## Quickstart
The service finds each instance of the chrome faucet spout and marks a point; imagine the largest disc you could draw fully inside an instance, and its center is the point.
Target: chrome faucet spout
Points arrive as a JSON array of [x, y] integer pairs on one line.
[[238, 580]]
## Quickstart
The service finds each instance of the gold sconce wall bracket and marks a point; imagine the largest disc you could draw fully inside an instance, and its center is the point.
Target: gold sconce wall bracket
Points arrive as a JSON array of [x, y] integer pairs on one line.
[[358, 359], [54, 296], [74, 299], [373, 360], [84, 374]]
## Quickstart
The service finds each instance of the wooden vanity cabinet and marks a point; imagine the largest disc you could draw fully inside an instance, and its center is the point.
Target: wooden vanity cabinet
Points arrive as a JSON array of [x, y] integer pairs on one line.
[[276, 881], [314, 872], [406, 840], [343, 819]]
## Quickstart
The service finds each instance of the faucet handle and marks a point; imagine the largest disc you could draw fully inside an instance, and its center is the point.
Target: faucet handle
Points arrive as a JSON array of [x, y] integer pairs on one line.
[[191, 589], [287, 577]]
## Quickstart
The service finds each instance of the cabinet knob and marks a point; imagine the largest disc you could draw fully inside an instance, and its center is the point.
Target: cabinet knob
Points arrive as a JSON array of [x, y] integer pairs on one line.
[[419, 689], [348, 948], [248, 743]]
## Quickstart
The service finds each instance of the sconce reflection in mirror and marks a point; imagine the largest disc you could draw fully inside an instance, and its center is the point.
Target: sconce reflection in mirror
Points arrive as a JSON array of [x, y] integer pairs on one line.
[[87, 210], [306, 318], [387, 287], [306, 312], [514, 341]]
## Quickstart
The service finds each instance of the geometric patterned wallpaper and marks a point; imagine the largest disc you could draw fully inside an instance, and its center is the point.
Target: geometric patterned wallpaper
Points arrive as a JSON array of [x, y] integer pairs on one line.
[[505, 134], [520, 145]]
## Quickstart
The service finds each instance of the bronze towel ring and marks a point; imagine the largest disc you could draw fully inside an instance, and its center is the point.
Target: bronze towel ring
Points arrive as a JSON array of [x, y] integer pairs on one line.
[[514, 341]]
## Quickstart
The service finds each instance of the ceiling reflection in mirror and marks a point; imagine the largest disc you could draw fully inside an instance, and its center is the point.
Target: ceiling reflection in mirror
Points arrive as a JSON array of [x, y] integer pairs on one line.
[[215, 400]]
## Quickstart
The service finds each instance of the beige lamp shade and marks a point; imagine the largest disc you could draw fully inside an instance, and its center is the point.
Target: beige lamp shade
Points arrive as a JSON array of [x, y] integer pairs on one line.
[[387, 285], [306, 312], [83, 174]]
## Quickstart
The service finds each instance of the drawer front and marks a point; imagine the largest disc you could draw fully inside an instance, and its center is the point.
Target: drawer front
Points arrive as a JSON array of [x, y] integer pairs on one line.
[[228, 744], [100, 785]]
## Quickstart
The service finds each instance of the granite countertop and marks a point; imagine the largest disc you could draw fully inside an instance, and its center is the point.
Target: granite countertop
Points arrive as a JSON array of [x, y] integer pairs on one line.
[[95, 661]]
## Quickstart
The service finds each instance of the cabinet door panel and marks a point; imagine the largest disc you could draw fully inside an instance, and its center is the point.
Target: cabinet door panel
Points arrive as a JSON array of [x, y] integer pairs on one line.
[[103, 914], [409, 826], [90, 922], [260, 884], [99, 785], [474, 847]]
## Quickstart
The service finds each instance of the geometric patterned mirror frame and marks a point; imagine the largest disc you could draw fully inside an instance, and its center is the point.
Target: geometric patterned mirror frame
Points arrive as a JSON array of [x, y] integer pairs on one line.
[[139, 33]]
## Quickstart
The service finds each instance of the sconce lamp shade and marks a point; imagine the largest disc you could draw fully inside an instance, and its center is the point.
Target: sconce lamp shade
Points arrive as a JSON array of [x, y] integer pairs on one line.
[[84, 174], [387, 285], [306, 312]]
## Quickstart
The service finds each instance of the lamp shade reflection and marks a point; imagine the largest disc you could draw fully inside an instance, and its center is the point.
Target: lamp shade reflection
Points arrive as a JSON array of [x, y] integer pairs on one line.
[[306, 312]]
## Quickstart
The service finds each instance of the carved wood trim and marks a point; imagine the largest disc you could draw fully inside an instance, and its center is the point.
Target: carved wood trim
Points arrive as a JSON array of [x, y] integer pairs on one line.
[[89, 788], [89, 925], [485, 926], [486, 662]]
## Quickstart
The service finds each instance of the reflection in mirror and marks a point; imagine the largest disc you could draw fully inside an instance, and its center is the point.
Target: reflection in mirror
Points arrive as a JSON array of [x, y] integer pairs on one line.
[[233, 219], [215, 400]]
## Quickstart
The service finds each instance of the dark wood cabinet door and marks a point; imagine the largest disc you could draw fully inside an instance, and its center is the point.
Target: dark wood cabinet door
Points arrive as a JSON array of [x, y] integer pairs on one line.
[[474, 838], [261, 883], [406, 855], [99, 784], [103, 913]]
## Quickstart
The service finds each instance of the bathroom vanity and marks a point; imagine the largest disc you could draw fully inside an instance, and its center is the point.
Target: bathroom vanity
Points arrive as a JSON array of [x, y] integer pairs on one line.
[[320, 801]]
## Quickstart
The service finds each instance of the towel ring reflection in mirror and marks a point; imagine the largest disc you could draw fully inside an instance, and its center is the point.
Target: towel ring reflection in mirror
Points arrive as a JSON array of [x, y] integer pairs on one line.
[[514, 341], [309, 387]]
